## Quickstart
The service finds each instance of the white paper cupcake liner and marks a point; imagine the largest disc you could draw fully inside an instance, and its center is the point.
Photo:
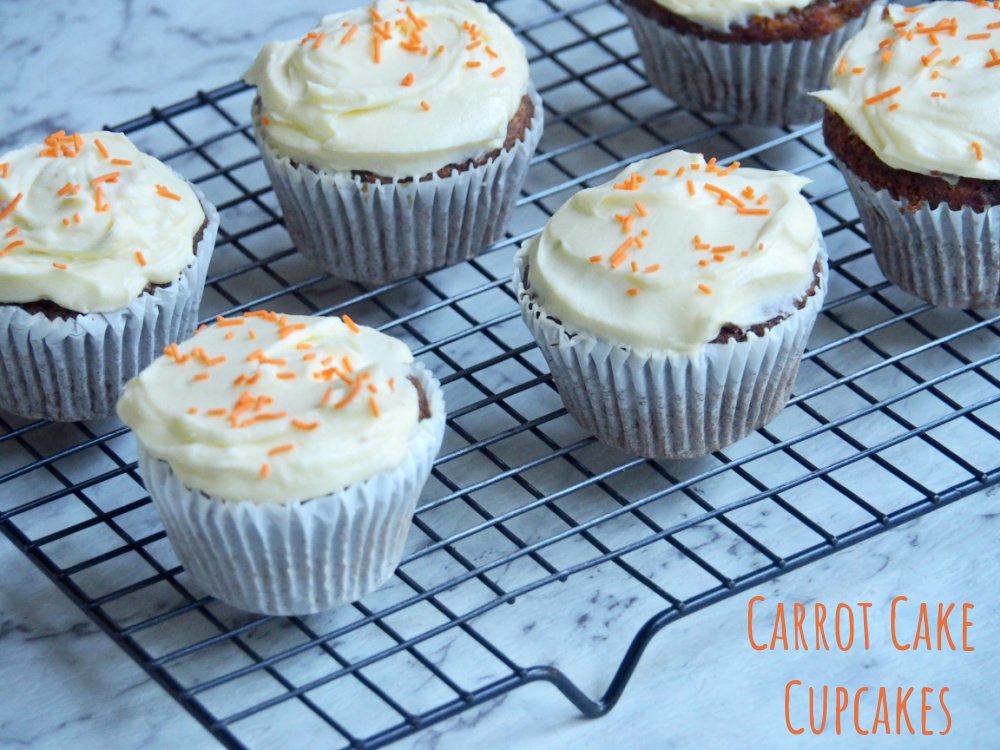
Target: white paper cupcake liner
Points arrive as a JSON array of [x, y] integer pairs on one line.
[[760, 84], [299, 558], [73, 369], [376, 233], [671, 404], [946, 257]]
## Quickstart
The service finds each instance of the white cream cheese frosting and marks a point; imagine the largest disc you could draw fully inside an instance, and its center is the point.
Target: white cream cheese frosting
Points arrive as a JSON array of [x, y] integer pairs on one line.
[[88, 221], [274, 408], [921, 87], [673, 249], [400, 89], [721, 14]]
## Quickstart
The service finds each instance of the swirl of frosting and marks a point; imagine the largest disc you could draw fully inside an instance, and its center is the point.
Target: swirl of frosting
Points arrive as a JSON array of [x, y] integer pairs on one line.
[[673, 249], [721, 14], [400, 89], [274, 408], [88, 221], [916, 85]]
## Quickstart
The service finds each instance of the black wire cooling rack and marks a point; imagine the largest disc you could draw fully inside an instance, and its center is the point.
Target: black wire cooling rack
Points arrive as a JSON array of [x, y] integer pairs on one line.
[[528, 529]]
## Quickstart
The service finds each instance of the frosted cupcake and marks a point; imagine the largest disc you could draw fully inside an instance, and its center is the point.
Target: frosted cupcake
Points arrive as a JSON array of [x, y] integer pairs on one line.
[[673, 303], [103, 256], [754, 60], [911, 121], [398, 136], [285, 455]]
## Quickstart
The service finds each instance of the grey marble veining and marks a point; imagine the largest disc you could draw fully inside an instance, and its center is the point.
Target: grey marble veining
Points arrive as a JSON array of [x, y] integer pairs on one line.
[[83, 64]]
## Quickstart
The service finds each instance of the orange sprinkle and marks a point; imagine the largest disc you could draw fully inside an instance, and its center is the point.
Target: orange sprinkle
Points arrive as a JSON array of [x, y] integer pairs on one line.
[[60, 266], [140, 257], [627, 224], [473, 64], [635, 267], [993, 25], [955, 59], [162, 191], [326, 396], [859, 71], [632, 292], [938, 95], [5, 169], [690, 188], [319, 40], [99, 199], [350, 324], [718, 258], [373, 406], [702, 262], [842, 67], [418, 22], [350, 396], [303, 346], [724, 195], [763, 199], [377, 41], [704, 289], [408, 81], [299, 424], [619, 255], [724, 249], [201, 376], [753, 211], [744, 253], [223, 322], [77, 141], [215, 412], [425, 105], [886, 55], [122, 162], [474, 44], [65, 222], [641, 209], [100, 147], [747, 192], [264, 471], [884, 95], [281, 449], [12, 232], [710, 167], [596, 258], [350, 34], [730, 169], [652, 269], [193, 410], [441, 49], [65, 189], [347, 364], [893, 106], [10, 207], [286, 376], [52, 153], [927, 59], [979, 151], [375, 15], [490, 52], [978, 36], [285, 331], [498, 72]]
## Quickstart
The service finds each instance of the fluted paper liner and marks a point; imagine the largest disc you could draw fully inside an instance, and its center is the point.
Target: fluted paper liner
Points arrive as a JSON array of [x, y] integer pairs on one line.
[[946, 257], [672, 404], [298, 558], [377, 233], [73, 369], [760, 84]]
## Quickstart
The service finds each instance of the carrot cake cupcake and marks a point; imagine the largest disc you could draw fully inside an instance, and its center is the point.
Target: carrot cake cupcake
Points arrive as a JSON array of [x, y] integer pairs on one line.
[[911, 123], [673, 303], [754, 60], [103, 255], [397, 136], [285, 455]]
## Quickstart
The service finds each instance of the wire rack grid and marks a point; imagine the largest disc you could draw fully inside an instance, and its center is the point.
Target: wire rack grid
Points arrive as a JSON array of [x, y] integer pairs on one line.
[[532, 544]]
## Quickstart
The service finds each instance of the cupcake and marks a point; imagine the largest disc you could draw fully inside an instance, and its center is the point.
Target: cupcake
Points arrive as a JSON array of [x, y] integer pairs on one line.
[[103, 256], [753, 60], [911, 124], [397, 137], [673, 303], [285, 455]]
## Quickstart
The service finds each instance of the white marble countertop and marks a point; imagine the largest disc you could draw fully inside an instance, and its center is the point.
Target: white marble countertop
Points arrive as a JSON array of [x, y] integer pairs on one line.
[[86, 63]]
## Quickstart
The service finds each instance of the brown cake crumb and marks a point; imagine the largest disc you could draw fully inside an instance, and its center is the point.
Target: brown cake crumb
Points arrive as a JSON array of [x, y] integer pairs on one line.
[[425, 407], [515, 132], [818, 19], [917, 189], [52, 311]]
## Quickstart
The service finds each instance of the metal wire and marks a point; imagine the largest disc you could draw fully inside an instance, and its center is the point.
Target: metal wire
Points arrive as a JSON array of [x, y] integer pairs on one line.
[[527, 524]]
